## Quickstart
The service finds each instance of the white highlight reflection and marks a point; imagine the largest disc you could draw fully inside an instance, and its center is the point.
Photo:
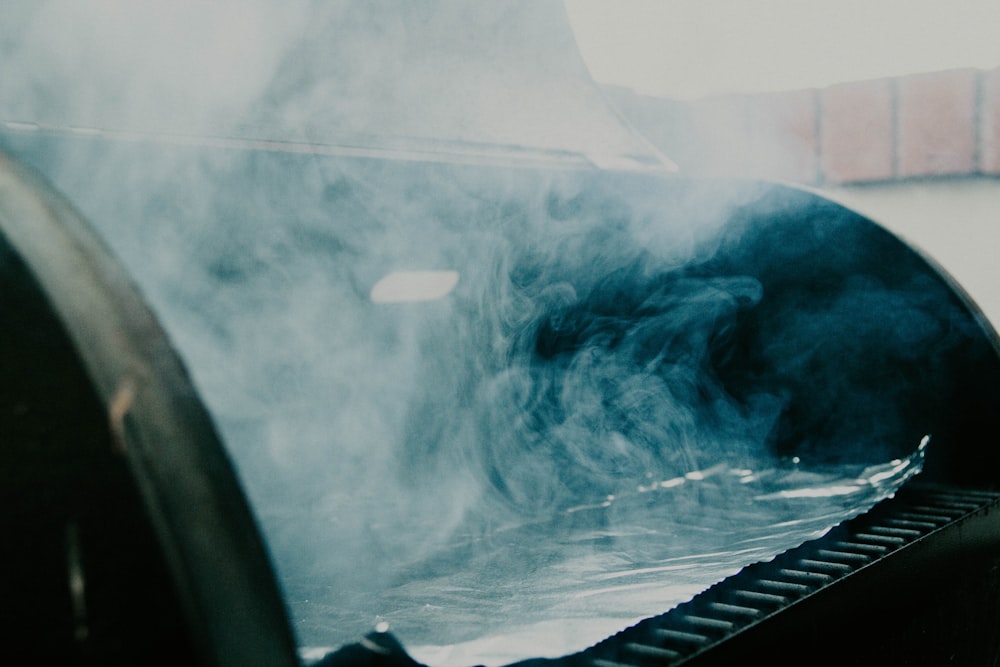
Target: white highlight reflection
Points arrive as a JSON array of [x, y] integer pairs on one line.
[[410, 286]]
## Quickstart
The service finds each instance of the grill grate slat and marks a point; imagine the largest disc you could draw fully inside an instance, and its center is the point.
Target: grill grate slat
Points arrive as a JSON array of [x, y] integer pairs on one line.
[[668, 634], [936, 510], [757, 596], [910, 523], [603, 662], [893, 540], [844, 556], [655, 652], [784, 586], [895, 532], [935, 519], [824, 566], [814, 578], [872, 549], [734, 610], [708, 622]]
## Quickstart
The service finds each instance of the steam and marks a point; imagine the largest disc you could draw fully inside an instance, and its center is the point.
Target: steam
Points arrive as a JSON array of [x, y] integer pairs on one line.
[[470, 396], [502, 78], [183, 67]]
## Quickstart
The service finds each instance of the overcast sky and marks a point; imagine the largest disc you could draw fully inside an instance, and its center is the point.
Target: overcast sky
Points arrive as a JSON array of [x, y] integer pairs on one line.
[[689, 48]]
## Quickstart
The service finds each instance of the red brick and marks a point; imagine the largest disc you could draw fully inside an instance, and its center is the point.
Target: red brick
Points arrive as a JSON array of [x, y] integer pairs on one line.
[[783, 133], [719, 126], [936, 123], [857, 142], [989, 118]]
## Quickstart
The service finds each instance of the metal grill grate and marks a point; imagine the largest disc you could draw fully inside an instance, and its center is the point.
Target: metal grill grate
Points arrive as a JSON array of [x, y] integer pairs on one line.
[[921, 522]]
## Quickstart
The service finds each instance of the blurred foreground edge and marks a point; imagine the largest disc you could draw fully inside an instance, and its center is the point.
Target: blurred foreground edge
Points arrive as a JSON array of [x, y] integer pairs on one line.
[[126, 534]]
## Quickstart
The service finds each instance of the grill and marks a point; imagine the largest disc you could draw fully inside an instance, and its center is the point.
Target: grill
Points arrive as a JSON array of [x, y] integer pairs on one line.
[[925, 529], [917, 574], [133, 538]]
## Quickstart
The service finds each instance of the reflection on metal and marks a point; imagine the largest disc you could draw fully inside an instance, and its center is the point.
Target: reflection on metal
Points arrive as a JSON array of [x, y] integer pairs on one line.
[[410, 150], [77, 582], [403, 286], [121, 403]]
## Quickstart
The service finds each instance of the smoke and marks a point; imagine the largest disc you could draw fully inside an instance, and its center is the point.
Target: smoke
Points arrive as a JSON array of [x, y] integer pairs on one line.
[[427, 75], [163, 67], [630, 376]]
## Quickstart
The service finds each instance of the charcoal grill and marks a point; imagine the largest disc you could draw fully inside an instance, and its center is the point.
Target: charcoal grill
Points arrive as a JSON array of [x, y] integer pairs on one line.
[[128, 537], [143, 474]]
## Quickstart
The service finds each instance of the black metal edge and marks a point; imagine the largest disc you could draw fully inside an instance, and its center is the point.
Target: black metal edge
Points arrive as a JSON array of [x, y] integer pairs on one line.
[[765, 604], [191, 494]]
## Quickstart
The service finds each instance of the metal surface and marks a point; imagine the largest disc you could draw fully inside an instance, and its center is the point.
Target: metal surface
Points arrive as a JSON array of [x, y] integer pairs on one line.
[[806, 597]]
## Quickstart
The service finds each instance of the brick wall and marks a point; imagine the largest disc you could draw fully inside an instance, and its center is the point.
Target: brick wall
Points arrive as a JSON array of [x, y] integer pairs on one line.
[[924, 125]]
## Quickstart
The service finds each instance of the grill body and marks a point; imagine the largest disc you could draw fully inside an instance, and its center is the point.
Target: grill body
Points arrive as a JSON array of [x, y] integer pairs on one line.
[[801, 248]]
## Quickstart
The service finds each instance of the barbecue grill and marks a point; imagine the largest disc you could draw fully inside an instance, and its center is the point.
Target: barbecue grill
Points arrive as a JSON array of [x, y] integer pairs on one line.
[[808, 334]]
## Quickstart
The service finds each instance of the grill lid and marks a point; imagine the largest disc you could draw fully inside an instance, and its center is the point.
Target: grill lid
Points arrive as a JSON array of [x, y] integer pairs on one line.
[[497, 81]]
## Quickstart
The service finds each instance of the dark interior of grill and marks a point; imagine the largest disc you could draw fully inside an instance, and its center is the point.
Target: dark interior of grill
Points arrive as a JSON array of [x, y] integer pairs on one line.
[[928, 353]]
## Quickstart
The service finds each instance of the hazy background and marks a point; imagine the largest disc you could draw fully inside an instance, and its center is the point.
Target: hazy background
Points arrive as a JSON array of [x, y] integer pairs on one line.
[[692, 48]]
